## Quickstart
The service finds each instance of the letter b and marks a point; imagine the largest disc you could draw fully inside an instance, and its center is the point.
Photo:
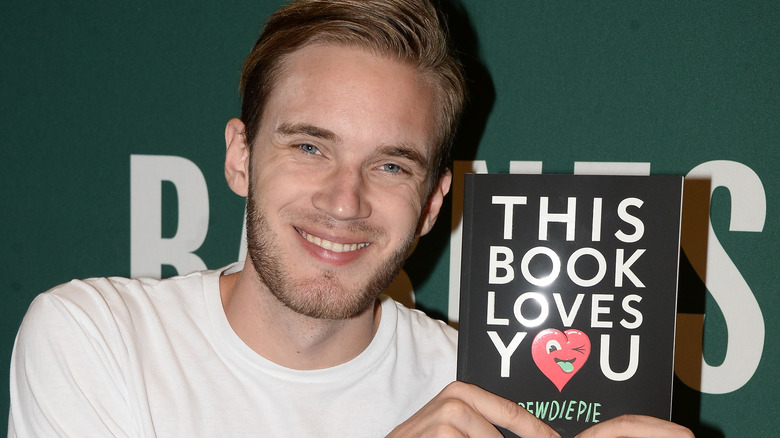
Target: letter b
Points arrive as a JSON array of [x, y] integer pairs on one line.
[[504, 265], [148, 249]]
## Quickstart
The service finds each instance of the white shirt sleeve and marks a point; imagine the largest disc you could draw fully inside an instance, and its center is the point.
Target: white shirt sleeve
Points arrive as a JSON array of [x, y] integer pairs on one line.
[[66, 370]]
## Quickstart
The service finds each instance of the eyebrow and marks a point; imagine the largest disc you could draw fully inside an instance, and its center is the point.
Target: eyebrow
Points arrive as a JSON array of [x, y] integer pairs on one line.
[[407, 152], [289, 129]]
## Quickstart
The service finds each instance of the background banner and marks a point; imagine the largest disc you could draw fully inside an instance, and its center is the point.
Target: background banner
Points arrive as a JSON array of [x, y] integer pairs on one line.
[[113, 115]]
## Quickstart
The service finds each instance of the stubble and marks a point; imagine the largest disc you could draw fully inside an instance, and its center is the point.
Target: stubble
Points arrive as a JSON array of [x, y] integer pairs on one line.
[[322, 295]]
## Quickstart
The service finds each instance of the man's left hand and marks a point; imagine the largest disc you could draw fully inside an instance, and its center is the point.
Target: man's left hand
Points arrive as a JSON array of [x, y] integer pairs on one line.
[[636, 426]]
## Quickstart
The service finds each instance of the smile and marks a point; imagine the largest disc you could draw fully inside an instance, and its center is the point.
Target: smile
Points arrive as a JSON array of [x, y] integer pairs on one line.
[[332, 246]]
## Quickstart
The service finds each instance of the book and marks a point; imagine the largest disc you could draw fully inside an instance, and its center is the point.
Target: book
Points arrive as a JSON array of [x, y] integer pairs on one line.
[[569, 292]]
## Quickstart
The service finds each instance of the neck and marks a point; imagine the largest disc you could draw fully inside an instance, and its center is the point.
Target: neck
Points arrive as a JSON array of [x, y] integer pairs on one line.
[[286, 337]]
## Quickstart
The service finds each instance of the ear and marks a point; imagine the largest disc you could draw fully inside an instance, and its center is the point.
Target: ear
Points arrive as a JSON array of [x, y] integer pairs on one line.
[[435, 200], [236, 157]]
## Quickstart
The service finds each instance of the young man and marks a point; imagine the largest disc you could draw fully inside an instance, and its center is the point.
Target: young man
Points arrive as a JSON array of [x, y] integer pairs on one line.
[[342, 148]]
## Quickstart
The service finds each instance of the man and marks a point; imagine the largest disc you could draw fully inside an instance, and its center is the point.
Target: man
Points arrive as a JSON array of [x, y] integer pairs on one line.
[[342, 148]]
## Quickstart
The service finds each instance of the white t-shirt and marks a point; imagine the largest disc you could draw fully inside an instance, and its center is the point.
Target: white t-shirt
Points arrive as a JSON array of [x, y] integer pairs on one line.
[[142, 357]]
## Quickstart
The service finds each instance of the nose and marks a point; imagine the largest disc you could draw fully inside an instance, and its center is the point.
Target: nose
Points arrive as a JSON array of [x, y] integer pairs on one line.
[[343, 195]]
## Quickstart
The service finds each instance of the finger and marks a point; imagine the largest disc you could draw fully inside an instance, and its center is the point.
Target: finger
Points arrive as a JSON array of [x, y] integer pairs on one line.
[[636, 426], [450, 414], [506, 413]]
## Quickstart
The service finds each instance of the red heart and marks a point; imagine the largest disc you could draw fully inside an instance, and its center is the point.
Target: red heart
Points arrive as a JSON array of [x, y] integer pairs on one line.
[[559, 355]]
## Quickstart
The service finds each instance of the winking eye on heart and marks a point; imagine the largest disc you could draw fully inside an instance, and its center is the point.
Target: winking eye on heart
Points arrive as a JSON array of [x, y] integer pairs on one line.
[[560, 355]]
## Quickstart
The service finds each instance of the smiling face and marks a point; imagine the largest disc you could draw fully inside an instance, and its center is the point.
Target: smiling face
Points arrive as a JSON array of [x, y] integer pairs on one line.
[[337, 181], [560, 355]]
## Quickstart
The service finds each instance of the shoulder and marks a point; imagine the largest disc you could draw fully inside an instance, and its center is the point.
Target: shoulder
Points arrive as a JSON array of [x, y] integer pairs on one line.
[[83, 302], [74, 356], [420, 322], [426, 350], [415, 328], [98, 307], [94, 297]]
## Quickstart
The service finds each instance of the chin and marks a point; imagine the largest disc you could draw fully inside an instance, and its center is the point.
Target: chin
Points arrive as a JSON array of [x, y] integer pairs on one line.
[[327, 298]]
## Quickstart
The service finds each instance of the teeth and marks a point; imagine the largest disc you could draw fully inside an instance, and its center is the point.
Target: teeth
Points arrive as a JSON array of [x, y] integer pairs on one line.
[[333, 246]]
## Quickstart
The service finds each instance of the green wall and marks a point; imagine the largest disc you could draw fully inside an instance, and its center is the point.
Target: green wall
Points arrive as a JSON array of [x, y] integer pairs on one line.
[[686, 88]]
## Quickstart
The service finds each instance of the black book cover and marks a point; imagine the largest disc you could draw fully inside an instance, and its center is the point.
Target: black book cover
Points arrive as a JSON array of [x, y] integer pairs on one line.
[[568, 293]]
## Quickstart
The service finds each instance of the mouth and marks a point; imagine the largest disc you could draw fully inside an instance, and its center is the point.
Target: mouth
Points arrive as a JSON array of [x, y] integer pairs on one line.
[[332, 246], [566, 365]]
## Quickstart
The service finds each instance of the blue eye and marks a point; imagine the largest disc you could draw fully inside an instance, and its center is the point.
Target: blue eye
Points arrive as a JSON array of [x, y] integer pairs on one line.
[[390, 167], [309, 149]]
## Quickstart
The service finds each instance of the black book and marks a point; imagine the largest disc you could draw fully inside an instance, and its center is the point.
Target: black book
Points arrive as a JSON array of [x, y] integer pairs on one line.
[[568, 293]]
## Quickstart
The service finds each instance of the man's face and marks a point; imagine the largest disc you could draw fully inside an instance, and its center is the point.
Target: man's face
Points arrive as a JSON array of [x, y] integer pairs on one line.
[[337, 190]]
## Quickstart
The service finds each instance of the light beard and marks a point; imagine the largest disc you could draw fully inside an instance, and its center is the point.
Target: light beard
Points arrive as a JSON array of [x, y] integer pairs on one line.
[[322, 296]]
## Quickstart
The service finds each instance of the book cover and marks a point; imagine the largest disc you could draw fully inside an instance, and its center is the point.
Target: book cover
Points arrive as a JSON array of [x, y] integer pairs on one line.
[[568, 293]]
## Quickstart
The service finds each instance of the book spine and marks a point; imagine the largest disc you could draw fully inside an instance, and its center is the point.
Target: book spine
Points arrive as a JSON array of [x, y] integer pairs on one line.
[[676, 290], [465, 277]]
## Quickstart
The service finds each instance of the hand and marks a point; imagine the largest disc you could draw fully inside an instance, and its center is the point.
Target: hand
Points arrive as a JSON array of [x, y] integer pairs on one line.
[[636, 426], [464, 410]]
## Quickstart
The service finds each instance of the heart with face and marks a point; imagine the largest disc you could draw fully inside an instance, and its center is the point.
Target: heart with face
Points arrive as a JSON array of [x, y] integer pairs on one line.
[[560, 355]]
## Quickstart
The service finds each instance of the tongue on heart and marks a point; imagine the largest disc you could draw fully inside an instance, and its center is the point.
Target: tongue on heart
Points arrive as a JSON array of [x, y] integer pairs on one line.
[[566, 365], [560, 355]]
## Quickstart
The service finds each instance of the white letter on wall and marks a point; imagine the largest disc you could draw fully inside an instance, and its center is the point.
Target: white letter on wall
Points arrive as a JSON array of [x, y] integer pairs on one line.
[[148, 249], [744, 320]]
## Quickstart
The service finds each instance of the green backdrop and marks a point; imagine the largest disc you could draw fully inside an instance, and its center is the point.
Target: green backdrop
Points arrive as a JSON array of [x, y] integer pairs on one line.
[[112, 146]]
